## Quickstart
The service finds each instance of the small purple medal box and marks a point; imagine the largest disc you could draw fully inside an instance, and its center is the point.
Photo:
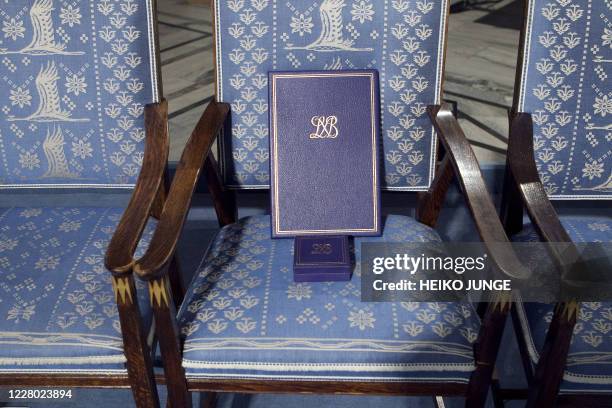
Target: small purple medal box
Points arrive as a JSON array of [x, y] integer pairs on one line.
[[322, 259]]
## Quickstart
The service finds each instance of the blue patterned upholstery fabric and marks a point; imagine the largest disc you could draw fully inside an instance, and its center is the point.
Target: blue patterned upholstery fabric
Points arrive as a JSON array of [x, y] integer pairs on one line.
[[565, 85], [404, 40], [57, 307], [76, 76], [245, 317], [589, 361]]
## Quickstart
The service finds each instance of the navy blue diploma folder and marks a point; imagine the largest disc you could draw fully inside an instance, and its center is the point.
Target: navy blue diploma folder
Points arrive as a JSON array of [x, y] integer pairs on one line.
[[324, 128]]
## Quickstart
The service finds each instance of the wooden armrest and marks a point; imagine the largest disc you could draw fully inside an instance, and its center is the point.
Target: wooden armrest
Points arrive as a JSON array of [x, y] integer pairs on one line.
[[544, 218], [120, 252], [163, 244], [475, 191], [522, 163]]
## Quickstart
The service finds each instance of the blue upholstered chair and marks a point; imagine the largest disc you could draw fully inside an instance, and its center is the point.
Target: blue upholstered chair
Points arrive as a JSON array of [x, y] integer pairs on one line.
[[561, 149], [81, 116], [244, 324]]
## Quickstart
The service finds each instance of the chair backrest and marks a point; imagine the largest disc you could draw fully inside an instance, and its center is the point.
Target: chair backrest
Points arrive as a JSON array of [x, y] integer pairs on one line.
[[76, 76], [403, 39], [564, 83]]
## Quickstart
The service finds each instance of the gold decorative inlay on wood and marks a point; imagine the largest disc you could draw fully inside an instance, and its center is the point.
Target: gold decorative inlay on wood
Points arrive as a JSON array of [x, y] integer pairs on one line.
[[122, 289], [502, 301], [158, 293], [570, 310]]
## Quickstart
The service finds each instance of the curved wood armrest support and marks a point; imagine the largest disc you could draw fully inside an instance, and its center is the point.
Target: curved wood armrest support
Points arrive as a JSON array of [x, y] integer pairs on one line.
[[163, 244], [120, 253], [223, 200], [522, 163], [521, 160], [478, 199]]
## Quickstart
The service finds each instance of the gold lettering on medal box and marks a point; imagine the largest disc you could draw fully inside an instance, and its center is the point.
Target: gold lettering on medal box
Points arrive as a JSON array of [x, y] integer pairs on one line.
[[325, 127], [321, 249]]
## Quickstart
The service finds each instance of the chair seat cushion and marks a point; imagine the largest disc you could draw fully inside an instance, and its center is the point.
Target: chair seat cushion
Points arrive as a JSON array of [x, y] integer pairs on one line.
[[589, 361], [244, 317], [57, 306]]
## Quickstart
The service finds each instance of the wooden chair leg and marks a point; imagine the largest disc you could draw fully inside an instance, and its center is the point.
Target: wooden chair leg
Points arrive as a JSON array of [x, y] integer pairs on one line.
[[176, 281], [430, 202], [486, 352], [135, 347], [544, 389], [208, 399], [520, 340], [224, 200], [511, 209], [498, 401], [169, 343]]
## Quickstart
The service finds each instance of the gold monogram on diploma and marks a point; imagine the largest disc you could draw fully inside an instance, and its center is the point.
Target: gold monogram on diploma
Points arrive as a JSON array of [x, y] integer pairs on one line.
[[325, 127]]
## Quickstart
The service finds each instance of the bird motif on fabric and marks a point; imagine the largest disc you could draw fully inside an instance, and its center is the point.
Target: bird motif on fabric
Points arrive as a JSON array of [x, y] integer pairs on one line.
[[332, 27], [49, 108], [53, 146], [43, 34], [606, 186]]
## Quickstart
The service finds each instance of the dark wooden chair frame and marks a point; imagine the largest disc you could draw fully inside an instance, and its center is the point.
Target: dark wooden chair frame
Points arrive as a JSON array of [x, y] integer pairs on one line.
[[523, 190], [158, 265], [147, 200]]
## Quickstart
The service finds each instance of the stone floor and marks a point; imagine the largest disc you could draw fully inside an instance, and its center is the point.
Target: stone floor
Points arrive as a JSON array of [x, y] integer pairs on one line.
[[480, 69], [481, 57], [186, 44]]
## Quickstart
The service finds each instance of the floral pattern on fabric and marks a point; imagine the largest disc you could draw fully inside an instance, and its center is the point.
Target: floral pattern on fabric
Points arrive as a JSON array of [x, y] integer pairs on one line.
[[244, 316], [566, 87], [589, 361], [403, 40], [56, 298], [77, 76]]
